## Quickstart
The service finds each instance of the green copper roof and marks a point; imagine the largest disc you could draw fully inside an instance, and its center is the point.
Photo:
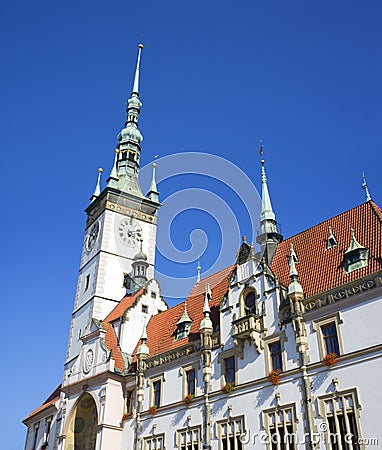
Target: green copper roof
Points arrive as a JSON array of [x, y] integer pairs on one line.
[[354, 244]]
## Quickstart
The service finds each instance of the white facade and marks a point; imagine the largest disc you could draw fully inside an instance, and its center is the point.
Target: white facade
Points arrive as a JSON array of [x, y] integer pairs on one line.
[[258, 367]]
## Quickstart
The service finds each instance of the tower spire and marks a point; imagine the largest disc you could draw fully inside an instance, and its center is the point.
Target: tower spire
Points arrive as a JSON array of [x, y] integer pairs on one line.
[[129, 140], [268, 237], [364, 186], [97, 189], [137, 68]]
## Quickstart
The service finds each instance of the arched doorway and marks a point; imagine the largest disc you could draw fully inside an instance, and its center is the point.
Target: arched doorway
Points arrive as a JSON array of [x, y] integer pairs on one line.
[[82, 430]]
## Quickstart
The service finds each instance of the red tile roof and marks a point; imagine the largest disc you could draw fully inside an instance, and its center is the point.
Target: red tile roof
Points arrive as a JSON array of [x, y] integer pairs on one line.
[[320, 269], [123, 305], [51, 400], [112, 345], [161, 327]]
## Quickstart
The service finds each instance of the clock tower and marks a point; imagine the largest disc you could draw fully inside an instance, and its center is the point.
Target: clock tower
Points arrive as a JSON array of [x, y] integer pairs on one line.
[[121, 223]]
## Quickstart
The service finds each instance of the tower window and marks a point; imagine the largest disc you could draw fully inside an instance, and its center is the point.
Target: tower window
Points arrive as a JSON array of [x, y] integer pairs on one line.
[[145, 309], [87, 282]]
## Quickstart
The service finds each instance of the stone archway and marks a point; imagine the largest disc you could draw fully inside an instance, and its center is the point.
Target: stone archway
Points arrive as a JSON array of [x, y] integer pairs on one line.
[[82, 430]]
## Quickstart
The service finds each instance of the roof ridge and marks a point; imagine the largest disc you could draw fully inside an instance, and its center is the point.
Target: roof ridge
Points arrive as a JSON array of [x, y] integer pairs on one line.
[[133, 298], [328, 220], [376, 209], [209, 276]]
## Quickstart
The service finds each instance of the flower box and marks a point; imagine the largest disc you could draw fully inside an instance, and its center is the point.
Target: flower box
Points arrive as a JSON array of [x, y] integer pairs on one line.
[[125, 417]]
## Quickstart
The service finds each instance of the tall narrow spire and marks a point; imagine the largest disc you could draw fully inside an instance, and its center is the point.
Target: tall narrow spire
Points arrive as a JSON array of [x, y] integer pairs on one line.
[[97, 189], [266, 205], [364, 186], [129, 140], [198, 268], [137, 68], [268, 237]]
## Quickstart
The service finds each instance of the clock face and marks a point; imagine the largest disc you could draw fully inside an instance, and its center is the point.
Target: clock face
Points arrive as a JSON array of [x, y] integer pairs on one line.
[[88, 362], [130, 232], [92, 236]]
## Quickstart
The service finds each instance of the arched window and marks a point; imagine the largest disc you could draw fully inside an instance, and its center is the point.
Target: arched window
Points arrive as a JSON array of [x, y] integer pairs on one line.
[[82, 430], [250, 303]]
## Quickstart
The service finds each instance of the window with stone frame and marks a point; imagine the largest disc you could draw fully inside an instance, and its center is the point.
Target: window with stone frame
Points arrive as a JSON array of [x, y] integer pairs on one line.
[[274, 352], [189, 438], [48, 425], [231, 433], [35, 429], [340, 413], [329, 334], [189, 375], [154, 442], [279, 423]]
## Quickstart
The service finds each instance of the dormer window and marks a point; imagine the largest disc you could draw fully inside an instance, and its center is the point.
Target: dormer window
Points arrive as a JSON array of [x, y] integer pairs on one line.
[[332, 241], [356, 256], [183, 325]]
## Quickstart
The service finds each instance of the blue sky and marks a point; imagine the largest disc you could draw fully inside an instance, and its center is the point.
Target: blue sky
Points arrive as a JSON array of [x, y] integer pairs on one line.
[[217, 77]]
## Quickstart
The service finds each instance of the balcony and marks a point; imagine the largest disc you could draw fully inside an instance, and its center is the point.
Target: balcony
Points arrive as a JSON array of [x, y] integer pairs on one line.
[[248, 327]]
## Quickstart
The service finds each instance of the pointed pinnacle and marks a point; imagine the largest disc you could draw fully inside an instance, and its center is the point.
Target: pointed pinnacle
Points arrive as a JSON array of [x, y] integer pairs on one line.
[[97, 189], [364, 186]]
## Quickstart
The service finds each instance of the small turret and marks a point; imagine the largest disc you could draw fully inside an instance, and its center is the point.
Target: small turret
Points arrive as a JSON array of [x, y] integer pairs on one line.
[[140, 266], [206, 323], [143, 349], [183, 325], [294, 288]]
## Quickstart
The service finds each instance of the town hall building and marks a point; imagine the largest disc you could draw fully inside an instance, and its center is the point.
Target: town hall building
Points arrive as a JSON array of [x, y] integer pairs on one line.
[[279, 351]]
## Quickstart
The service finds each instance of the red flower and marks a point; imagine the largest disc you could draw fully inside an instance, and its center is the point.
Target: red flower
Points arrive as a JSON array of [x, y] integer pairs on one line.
[[153, 410], [125, 416], [187, 399], [274, 376], [228, 388], [330, 359]]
